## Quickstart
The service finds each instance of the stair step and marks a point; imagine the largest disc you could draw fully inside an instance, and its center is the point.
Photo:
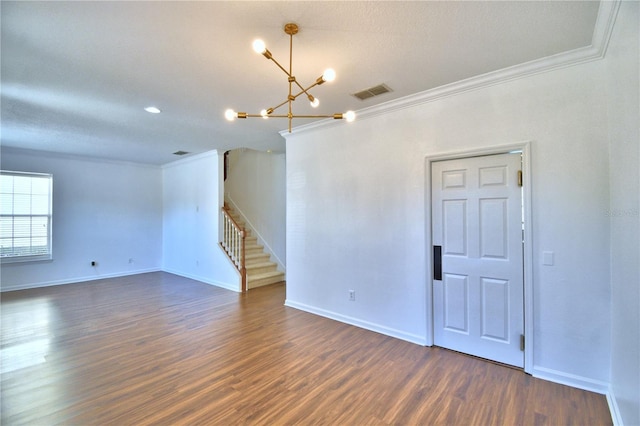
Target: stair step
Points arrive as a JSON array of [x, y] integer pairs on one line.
[[260, 268], [257, 257], [253, 249], [265, 279]]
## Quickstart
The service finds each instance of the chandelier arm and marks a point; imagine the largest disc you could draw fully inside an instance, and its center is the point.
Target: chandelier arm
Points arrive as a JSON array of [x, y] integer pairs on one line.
[[316, 116], [290, 54], [291, 78], [279, 105], [295, 116], [280, 66], [290, 114]]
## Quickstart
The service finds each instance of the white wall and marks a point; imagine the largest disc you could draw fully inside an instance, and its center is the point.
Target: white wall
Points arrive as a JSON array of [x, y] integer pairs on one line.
[[192, 198], [256, 183], [356, 212], [103, 211], [624, 213]]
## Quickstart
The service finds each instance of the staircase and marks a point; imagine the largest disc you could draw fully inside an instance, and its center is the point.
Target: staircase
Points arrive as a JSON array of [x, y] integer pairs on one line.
[[260, 270]]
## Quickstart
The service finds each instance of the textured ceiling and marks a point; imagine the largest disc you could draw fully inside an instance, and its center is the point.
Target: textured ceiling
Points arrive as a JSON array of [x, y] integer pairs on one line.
[[77, 75]]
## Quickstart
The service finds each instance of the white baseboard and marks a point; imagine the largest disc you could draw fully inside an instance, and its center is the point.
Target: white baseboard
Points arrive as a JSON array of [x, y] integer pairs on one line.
[[616, 417], [78, 279], [227, 286], [75, 280], [583, 383], [572, 380], [398, 334]]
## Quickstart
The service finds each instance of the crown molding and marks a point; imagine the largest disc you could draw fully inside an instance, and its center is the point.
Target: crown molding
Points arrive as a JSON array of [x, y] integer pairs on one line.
[[12, 150], [191, 158], [603, 28]]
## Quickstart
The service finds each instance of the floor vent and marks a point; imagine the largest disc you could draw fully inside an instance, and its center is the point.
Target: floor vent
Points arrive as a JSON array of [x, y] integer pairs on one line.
[[372, 91], [180, 153]]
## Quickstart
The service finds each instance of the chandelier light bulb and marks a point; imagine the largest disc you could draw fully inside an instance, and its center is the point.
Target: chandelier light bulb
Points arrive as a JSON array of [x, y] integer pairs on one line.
[[329, 75], [259, 46], [230, 115], [350, 116], [264, 114], [315, 102]]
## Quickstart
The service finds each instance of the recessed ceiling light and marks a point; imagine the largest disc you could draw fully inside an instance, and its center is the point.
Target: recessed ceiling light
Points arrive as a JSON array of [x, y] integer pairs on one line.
[[152, 110]]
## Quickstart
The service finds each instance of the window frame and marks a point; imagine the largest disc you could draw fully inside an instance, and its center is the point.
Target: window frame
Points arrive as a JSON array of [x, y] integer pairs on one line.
[[32, 257]]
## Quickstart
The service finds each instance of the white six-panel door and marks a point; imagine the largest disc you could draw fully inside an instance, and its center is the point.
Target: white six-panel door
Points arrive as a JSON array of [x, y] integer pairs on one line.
[[477, 221]]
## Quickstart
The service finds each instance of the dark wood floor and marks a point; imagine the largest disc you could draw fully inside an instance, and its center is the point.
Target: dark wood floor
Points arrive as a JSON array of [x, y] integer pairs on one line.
[[161, 349]]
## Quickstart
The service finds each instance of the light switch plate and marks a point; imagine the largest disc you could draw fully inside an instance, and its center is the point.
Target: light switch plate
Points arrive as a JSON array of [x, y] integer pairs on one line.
[[547, 258]]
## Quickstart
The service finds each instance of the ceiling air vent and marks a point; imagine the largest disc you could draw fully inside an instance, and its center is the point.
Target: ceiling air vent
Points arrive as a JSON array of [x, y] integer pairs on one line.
[[372, 91], [180, 153]]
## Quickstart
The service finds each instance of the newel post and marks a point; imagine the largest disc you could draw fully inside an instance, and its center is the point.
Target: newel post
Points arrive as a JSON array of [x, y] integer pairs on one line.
[[243, 268]]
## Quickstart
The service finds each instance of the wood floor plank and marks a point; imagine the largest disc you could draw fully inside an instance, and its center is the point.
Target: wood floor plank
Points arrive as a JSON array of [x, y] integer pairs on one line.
[[158, 349]]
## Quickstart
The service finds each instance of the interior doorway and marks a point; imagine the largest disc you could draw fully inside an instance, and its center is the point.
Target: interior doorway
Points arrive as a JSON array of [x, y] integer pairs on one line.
[[478, 254]]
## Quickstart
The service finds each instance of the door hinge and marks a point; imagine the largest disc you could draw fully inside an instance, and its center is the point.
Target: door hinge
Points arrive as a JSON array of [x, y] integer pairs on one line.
[[522, 342], [519, 177]]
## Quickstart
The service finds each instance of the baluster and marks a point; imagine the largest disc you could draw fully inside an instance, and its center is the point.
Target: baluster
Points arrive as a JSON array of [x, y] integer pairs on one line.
[[235, 245], [231, 241], [240, 248], [226, 232]]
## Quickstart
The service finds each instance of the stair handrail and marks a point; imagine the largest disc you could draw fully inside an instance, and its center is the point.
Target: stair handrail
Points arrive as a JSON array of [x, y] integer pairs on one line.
[[233, 244]]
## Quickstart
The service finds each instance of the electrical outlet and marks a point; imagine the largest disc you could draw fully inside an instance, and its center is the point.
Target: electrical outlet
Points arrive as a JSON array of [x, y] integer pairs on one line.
[[352, 295]]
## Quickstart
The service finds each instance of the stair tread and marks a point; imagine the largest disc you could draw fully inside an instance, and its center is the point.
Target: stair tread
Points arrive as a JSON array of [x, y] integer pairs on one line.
[[267, 275], [256, 255], [260, 265], [265, 263]]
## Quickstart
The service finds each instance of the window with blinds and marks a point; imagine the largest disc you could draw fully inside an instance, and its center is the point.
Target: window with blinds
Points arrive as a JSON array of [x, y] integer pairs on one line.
[[25, 216]]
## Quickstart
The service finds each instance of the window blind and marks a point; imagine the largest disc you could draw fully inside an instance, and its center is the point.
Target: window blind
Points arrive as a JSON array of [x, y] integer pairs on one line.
[[25, 216]]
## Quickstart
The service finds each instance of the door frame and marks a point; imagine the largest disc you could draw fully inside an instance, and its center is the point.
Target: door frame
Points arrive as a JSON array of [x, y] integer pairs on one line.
[[525, 148]]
